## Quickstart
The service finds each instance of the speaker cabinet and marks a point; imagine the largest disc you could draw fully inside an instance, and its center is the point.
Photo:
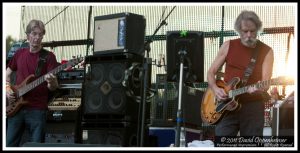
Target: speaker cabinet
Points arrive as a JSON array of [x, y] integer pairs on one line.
[[122, 32], [119, 134], [283, 117], [165, 108], [192, 42], [61, 132], [104, 94], [191, 107]]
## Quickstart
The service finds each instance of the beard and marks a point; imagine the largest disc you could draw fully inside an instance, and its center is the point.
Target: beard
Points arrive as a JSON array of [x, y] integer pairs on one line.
[[249, 42]]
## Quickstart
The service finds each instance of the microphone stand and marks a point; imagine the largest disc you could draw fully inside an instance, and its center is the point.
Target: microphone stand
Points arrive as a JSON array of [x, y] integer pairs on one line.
[[146, 62], [179, 119]]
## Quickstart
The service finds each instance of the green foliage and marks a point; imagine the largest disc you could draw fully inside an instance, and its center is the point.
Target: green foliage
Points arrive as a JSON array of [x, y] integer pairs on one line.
[[9, 42]]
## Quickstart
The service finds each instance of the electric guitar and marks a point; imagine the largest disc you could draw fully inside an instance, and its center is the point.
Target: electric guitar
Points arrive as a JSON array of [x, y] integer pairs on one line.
[[212, 110], [28, 84]]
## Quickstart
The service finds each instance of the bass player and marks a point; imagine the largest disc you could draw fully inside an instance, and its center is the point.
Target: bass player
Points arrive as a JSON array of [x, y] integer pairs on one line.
[[31, 116]]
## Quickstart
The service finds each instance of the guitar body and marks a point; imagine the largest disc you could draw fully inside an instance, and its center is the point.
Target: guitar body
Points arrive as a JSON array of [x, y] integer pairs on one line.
[[208, 108], [14, 107], [213, 110]]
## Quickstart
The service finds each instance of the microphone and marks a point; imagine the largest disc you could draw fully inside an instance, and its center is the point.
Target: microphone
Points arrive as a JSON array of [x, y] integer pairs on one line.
[[162, 60], [163, 63], [159, 60]]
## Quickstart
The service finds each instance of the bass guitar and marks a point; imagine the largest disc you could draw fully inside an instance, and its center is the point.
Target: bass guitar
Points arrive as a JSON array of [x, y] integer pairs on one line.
[[28, 84]]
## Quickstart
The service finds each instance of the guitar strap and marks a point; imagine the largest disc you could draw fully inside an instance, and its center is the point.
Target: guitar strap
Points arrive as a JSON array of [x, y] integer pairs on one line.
[[42, 61], [250, 67]]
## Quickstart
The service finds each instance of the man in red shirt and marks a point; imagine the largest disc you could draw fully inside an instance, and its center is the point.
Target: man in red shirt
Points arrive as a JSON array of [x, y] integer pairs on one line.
[[237, 53], [31, 116]]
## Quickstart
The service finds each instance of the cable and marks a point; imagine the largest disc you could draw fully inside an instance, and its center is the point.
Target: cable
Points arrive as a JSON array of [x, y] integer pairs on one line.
[[132, 81], [56, 15]]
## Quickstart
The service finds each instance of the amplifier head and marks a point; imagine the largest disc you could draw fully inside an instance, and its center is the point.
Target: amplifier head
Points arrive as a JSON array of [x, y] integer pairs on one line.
[[122, 32]]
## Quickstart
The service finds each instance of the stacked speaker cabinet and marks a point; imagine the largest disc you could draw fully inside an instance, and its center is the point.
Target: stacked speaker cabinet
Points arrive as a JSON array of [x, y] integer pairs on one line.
[[110, 107], [113, 81]]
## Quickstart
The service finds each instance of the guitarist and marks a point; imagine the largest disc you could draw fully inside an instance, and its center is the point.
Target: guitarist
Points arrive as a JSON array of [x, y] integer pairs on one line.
[[31, 116], [249, 118]]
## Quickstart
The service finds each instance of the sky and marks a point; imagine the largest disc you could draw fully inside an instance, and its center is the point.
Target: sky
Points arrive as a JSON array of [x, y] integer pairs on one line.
[[11, 20]]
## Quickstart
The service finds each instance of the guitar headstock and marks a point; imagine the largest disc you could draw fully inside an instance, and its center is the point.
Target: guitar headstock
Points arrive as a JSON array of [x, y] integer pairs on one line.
[[284, 80]]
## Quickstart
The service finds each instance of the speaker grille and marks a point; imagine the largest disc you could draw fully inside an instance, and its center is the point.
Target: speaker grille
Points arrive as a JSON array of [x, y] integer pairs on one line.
[[98, 73], [94, 101], [116, 73], [116, 101]]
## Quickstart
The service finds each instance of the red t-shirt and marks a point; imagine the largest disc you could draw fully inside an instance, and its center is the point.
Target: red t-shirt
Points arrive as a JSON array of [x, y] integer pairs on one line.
[[25, 63], [238, 59]]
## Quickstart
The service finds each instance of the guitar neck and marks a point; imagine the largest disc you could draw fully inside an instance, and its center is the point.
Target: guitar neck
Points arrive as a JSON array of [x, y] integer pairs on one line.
[[243, 90], [23, 90]]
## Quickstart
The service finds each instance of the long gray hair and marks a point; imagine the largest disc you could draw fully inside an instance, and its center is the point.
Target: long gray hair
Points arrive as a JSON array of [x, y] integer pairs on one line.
[[247, 15]]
